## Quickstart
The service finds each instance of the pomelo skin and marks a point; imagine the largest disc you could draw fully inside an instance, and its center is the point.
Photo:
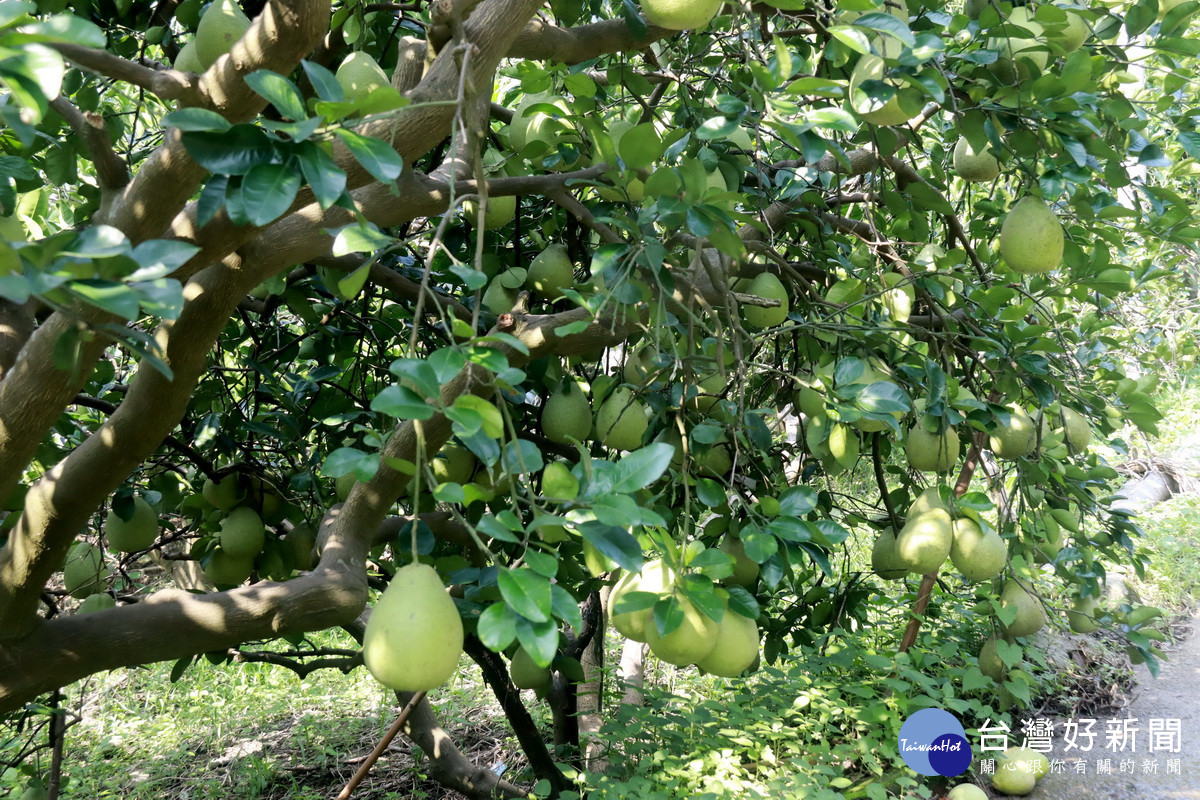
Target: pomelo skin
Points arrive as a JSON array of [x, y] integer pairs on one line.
[[1031, 238], [680, 15], [414, 636]]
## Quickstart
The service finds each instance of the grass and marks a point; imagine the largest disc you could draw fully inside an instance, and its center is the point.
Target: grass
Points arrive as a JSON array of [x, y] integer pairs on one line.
[[250, 731], [1172, 580]]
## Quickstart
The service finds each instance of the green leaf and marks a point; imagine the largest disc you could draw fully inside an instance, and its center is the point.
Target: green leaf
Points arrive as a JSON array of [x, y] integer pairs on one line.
[[447, 363], [759, 545], [158, 258], [717, 127], [540, 640], [268, 191], [496, 627], [232, 152], [742, 602], [633, 19], [279, 92], [796, 501], [888, 24], [527, 592], [854, 39], [402, 403], [1141, 16], [521, 457], [541, 563], [66, 28], [360, 239], [566, 607], [713, 563], [115, 298], [642, 467], [640, 146], [321, 173], [483, 415], [668, 615], [196, 119], [376, 156], [324, 82], [884, 397], [180, 667], [615, 543], [347, 460], [98, 241]]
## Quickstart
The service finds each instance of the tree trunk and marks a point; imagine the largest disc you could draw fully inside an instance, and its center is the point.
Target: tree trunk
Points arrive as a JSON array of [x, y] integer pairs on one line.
[[589, 698], [632, 672]]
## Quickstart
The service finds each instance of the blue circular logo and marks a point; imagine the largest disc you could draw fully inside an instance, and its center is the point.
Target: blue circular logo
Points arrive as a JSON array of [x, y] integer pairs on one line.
[[932, 742]]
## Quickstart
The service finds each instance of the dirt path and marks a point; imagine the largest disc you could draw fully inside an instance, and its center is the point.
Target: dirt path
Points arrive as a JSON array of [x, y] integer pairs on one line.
[[1148, 775]]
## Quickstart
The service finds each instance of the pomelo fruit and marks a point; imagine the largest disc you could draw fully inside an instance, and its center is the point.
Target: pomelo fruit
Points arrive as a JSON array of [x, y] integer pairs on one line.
[[931, 452], [225, 569], [1013, 439], [1030, 614], [525, 673], [500, 211], [550, 272], [186, 59], [621, 420], [977, 555], [989, 661], [96, 602], [567, 415], [223, 494], [745, 569], [1031, 238], [736, 646], [680, 15], [242, 534], [694, 639], [769, 287], [655, 577], [1082, 616], [924, 542], [222, 25], [84, 570], [885, 558], [136, 533], [975, 166], [359, 74], [414, 637]]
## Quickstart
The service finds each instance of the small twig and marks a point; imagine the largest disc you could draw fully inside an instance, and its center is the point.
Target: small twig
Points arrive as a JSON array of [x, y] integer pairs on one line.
[[391, 734], [169, 84], [192, 454]]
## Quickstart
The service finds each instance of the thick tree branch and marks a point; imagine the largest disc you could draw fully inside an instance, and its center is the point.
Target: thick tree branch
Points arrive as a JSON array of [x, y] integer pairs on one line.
[[16, 326], [447, 764], [173, 623], [541, 41], [496, 674], [111, 170]]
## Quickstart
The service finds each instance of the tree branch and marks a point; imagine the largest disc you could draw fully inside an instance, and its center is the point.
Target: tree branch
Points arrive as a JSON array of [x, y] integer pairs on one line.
[[111, 170], [168, 84], [541, 41], [496, 674]]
